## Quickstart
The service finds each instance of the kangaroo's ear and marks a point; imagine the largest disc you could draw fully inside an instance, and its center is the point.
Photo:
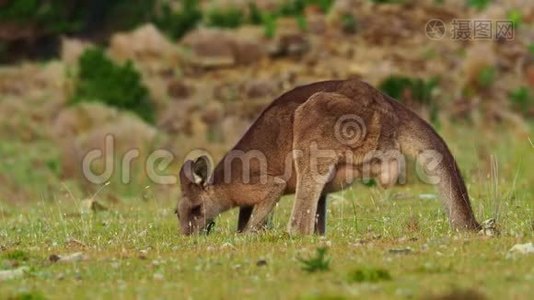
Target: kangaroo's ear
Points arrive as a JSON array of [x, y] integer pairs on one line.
[[201, 170]]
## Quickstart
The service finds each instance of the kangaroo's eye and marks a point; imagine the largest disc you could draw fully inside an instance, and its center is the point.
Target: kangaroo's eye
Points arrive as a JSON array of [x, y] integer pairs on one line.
[[196, 210]]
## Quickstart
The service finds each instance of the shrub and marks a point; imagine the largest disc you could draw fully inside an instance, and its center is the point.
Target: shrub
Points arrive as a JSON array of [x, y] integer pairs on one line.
[[254, 14], [319, 262], [269, 24], [324, 5], [99, 79], [478, 4], [50, 16], [369, 275], [418, 89], [291, 8], [522, 99], [515, 16], [177, 24], [227, 18], [16, 255], [349, 24], [487, 76]]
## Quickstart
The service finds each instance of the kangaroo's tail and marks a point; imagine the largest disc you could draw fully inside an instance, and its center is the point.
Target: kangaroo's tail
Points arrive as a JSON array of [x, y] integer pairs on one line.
[[418, 139]]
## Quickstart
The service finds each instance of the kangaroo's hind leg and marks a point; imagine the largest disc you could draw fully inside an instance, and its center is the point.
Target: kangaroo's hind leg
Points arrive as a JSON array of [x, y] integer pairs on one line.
[[244, 216], [320, 216]]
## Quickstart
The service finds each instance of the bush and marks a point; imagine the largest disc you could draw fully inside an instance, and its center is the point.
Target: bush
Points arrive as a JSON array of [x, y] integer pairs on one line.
[[478, 4], [177, 24], [487, 76], [319, 263], [99, 79], [369, 275], [269, 25], [227, 18], [254, 14], [522, 99], [50, 16], [417, 89]]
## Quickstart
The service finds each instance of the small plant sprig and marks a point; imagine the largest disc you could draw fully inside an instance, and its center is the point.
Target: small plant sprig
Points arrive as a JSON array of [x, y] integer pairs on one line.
[[478, 4], [319, 263], [369, 275]]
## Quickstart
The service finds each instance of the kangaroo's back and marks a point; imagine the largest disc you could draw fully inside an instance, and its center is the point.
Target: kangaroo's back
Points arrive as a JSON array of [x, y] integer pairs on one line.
[[272, 131]]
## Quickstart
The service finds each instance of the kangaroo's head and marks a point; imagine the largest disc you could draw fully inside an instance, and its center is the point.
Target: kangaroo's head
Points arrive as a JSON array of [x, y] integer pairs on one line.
[[197, 207]]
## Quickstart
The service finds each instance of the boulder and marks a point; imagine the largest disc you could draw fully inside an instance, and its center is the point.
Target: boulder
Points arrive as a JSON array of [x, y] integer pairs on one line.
[[147, 46], [217, 48], [210, 48]]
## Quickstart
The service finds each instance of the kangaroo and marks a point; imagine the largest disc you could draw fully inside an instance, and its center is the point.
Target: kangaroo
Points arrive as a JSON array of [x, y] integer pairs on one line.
[[299, 145]]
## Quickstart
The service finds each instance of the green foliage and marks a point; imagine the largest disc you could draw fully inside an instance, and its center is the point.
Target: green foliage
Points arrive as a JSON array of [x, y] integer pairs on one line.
[[302, 23], [17, 255], [531, 48], [319, 263], [388, 1], [522, 98], [417, 89], [177, 24], [369, 275], [516, 16], [487, 76], [254, 12], [33, 295], [269, 24], [324, 5], [99, 79], [50, 16], [227, 18], [369, 182], [349, 24], [291, 8], [478, 4]]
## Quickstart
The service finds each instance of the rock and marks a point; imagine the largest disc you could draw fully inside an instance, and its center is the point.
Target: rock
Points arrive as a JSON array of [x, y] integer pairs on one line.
[[249, 45], [74, 257], [520, 249], [72, 49], [13, 274], [89, 127], [400, 251], [317, 24], [212, 113], [176, 117], [427, 196], [216, 48], [489, 228], [289, 40], [177, 89], [261, 88], [211, 48], [146, 46]]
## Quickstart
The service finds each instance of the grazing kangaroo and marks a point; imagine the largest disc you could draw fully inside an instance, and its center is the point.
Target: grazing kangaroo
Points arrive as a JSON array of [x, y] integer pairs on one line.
[[299, 145]]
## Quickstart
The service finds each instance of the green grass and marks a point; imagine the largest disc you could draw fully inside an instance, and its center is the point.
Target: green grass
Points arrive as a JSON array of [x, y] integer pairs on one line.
[[134, 249]]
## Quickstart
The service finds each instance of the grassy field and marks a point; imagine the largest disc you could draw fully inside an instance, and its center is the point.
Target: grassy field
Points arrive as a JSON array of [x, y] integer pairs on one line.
[[380, 243]]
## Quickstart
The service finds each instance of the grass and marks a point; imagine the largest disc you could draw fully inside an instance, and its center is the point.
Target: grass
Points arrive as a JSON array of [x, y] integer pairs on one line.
[[134, 251]]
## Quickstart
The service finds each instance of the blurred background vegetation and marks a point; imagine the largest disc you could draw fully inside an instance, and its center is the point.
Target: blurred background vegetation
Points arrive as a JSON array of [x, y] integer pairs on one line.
[[185, 74]]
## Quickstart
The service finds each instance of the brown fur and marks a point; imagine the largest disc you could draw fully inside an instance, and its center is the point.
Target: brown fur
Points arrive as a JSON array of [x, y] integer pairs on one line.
[[302, 119]]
